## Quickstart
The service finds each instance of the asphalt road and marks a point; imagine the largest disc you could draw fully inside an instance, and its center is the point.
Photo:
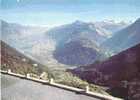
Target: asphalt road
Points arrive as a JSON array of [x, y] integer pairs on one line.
[[13, 88]]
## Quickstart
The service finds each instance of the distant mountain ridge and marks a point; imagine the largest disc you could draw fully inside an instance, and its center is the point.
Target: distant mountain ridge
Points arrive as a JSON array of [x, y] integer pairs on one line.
[[111, 26], [78, 30], [16, 34], [48, 45], [124, 38], [78, 43]]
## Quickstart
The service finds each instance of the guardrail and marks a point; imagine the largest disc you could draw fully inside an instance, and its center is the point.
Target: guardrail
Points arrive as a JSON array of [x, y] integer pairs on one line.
[[52, 83]]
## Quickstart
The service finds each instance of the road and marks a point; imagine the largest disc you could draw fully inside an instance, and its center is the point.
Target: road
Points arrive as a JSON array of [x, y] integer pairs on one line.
[[14, 88]]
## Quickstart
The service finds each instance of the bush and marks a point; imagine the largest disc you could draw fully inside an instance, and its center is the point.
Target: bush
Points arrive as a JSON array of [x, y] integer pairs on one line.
[[71, 80]]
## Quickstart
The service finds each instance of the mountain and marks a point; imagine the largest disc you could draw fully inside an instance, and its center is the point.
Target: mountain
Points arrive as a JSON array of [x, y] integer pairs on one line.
[[95, 31], [121, 73], [54, 46], [78, 52], [30, 40], [21, 36], [77, 30], [18, 62], [77, 43], [124, 38], [111, 26]]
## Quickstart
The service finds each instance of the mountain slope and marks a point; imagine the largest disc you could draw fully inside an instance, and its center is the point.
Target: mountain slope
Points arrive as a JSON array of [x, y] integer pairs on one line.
[[124, 38], [119, 71], [77, 30], [30, 40], [16, 61], [77, 43], [16, 34], [77, 53], [111, 26]]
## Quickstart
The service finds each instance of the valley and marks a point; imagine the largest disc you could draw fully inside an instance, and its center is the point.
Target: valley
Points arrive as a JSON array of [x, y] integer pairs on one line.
[[76, 54]]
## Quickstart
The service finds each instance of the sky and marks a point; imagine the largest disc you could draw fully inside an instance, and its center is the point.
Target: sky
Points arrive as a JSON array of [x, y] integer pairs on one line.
[[57, 12]]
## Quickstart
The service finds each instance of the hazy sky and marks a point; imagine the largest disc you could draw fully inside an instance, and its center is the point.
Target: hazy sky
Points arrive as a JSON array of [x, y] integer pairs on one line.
[[57, 12]]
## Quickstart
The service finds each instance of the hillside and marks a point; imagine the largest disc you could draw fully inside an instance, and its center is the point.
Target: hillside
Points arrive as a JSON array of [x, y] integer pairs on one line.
[[77, 43], [30, 40], [124, 38], [77, 53], [18, 62], [120, 73]]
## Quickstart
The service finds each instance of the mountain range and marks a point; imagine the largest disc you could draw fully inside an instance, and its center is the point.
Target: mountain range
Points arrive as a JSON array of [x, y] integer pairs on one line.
[[78, 43], [61, 45], [125, 38], [21, 36], [112, 26]]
